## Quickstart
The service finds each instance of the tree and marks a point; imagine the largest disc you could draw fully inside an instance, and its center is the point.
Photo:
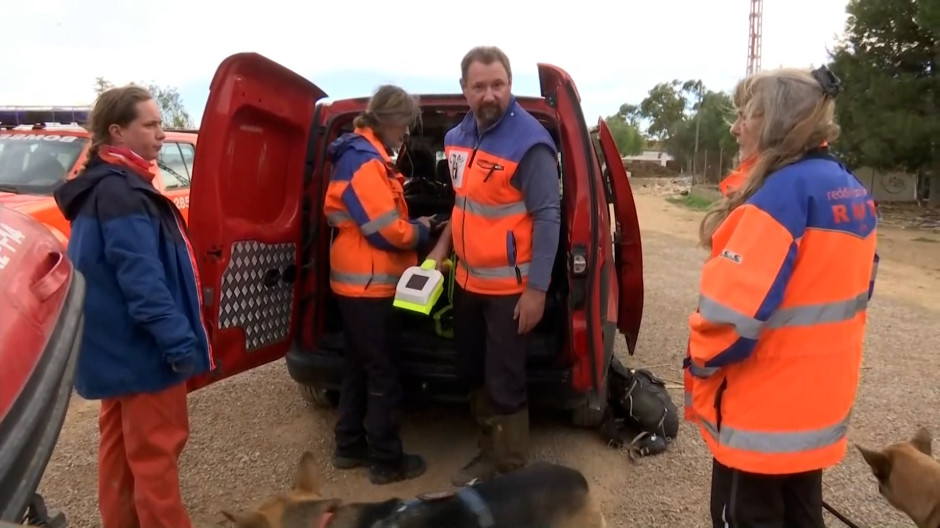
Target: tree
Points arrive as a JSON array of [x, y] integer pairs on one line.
[[624, 127], [664, 108], [168, 97], [887, 60]]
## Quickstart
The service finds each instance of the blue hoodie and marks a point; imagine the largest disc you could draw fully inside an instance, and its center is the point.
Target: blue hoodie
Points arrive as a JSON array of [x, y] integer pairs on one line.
[[143, 323]]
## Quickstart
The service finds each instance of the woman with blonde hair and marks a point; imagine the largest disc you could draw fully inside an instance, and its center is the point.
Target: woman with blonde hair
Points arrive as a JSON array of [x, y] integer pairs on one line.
[[144, 334], [375, 243], [776, 343]]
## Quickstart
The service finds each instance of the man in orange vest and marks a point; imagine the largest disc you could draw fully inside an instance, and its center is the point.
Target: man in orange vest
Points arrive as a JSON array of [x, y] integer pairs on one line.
[[505, 228]]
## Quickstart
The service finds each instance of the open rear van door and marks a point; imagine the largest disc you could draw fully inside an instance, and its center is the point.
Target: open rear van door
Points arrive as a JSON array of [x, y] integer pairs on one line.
[[245, 210], [628, 249]]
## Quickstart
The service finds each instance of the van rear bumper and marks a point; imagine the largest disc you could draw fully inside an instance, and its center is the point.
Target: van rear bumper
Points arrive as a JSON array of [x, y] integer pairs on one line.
[[323, 369]]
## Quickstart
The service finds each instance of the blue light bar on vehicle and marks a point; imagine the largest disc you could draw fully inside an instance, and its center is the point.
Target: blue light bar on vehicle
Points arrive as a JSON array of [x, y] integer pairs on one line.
[[33, 115]]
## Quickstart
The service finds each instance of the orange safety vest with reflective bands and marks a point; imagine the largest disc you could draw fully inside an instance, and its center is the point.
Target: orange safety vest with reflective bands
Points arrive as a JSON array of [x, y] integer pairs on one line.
[[375, 241], [775, 346], [492, 229]]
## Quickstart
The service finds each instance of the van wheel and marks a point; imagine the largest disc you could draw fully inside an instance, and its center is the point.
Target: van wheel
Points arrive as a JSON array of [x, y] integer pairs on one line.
[[588, 418], [322, 398]]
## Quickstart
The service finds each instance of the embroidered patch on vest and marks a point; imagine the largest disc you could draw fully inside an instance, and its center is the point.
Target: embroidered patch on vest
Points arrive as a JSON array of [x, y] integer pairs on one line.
[[457, 163], [732, 256]]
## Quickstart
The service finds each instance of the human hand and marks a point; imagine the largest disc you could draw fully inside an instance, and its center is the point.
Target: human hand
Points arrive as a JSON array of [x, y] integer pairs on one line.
[[184, 365], [439, 256], [529, 309], [425, 221]]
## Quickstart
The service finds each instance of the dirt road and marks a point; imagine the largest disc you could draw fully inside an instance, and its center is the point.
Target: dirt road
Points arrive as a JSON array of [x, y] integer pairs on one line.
[[247, 433]]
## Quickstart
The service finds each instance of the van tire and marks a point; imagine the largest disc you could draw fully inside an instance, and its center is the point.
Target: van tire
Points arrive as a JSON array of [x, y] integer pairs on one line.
[[588, 418], [318, 397]]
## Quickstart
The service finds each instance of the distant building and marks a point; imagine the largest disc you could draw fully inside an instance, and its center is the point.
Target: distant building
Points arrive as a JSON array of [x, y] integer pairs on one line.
[[658, 157]]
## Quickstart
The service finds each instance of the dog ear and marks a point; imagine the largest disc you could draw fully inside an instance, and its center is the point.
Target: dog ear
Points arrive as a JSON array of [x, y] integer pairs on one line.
[[922, 441], [250, 519], [879, 462], [307, 479]]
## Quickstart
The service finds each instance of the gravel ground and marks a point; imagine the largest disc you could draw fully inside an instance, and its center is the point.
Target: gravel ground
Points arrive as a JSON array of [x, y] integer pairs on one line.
[[248, 432]]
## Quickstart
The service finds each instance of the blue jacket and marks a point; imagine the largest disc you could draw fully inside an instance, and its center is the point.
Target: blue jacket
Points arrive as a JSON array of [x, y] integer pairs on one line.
[[143, 324]]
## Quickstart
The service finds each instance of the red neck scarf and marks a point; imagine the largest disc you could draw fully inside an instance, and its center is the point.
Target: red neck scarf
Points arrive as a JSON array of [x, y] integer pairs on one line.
[[128, 158]]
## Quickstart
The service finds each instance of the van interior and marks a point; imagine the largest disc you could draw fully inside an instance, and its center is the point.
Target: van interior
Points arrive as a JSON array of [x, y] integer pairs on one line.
[[428, 191]]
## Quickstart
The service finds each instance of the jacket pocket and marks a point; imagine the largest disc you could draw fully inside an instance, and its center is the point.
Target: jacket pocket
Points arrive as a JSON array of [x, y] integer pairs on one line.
[[511, 255], [719, 394]]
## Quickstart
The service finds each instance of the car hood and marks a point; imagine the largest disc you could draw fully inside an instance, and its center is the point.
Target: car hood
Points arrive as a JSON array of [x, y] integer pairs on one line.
[[42, 303], [25, 203]]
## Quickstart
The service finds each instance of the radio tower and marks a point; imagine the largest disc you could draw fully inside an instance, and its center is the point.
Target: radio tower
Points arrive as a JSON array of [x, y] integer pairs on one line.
[[755, 36]]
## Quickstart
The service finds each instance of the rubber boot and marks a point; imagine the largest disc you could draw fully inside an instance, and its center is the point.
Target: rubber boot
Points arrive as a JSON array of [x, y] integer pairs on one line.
[[511, 441], [483, 465]]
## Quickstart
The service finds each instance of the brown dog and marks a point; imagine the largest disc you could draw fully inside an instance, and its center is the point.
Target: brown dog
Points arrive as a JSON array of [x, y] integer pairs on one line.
[[544, 495], [909, 478]]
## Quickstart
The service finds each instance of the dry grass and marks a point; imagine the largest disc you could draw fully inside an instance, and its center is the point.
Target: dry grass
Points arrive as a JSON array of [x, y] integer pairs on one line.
[[247, 433]]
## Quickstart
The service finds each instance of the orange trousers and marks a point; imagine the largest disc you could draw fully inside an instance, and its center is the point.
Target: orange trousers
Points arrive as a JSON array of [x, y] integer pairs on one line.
[[142, 437]]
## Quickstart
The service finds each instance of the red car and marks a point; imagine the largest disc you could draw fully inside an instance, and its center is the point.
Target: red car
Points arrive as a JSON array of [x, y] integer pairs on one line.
[[262, 241], [41, 319]]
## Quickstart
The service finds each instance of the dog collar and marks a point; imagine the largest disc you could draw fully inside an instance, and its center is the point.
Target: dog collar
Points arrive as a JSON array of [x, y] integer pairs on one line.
[[467, 495]]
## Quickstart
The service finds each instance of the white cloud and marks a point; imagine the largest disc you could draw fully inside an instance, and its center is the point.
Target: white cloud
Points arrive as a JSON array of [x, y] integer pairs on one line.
[[55, 48]]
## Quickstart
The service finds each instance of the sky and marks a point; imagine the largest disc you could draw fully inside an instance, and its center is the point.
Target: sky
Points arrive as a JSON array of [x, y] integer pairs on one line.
[[614, 53]]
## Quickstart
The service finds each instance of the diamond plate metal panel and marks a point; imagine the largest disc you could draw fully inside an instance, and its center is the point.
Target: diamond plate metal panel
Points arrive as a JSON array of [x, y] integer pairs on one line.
[[263, 313]]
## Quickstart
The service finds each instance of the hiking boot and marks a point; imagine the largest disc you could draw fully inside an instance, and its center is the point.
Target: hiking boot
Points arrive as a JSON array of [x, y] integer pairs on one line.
[[38, 515], [511, 441], [406, 468], [351, 457], [482, 466], [479, 468]]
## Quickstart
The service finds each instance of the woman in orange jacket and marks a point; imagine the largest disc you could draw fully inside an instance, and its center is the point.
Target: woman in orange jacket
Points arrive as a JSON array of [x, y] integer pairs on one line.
[[375, 242], [776, 343]]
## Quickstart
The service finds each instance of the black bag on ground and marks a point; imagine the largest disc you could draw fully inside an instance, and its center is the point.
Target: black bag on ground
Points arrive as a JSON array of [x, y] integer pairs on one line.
[[640, 412]]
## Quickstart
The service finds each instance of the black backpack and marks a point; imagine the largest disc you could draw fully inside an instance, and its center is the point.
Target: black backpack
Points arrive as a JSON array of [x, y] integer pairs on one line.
[[640, 413]]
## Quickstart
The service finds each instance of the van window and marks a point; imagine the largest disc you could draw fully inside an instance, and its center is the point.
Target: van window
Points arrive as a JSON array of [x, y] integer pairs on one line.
[[189, 154], [173, 170], [37, 163]]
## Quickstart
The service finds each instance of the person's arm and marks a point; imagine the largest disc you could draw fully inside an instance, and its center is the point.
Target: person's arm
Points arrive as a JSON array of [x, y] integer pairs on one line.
[[371, 205], [442, 248], [131, 246], [537, 178], [744, 284]]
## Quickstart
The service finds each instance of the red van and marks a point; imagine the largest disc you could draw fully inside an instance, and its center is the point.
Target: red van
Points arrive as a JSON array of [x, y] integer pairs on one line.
[[262, 242]]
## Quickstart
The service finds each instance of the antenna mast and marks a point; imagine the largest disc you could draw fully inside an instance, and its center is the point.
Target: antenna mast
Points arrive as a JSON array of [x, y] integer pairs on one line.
[[755, 36]]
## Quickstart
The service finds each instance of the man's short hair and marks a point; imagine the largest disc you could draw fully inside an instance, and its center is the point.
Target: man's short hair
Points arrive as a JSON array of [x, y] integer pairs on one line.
[[485, 55]]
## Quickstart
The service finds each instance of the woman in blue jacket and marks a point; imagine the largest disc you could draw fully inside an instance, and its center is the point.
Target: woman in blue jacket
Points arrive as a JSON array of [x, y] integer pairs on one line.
[[144, 334]]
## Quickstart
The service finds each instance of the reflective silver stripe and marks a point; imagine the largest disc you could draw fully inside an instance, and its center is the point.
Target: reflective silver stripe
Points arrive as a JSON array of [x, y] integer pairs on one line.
[[489, 211], [378, 223], [874, 270], [702, 372], [688, 399], [498, 272], [337, 218], [777, 442], [810, 314], [832, 312], [717, 313], [362, 279]]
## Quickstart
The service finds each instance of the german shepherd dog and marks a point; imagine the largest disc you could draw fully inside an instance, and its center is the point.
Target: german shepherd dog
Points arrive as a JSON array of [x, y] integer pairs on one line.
[[909, 477], [543, 495]]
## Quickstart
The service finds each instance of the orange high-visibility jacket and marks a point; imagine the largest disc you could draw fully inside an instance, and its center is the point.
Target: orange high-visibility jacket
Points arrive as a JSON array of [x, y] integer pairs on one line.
[[735, 179], [492, 229], [375, 241], [776, 343]]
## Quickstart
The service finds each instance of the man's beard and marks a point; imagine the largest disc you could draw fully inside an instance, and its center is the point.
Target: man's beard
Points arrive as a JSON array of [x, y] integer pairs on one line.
[[489, 113]]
